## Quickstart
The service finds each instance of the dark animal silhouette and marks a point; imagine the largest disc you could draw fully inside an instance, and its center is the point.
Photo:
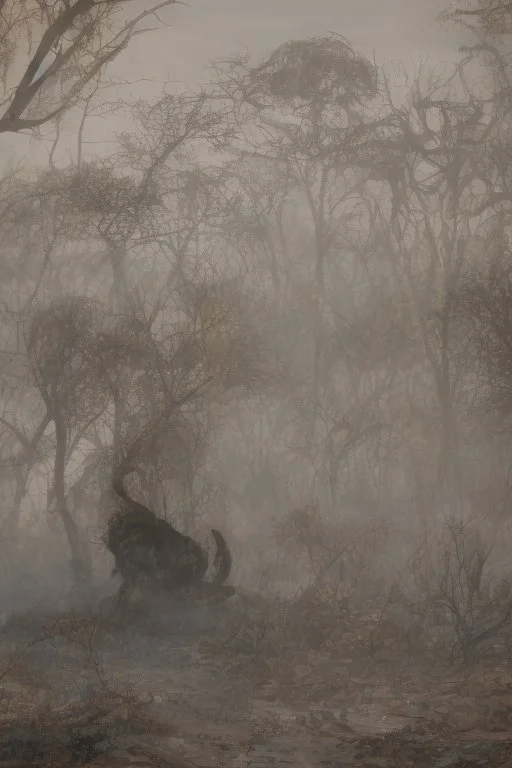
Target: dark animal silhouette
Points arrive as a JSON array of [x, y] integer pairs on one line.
[[222, 561], [149, 549]]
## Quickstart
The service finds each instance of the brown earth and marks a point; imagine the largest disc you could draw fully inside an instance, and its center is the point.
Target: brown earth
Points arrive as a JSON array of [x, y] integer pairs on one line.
[[75, 694]]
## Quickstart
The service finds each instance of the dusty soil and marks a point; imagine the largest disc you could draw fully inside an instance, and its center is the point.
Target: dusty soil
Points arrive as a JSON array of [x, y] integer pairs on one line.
[[73, 694]]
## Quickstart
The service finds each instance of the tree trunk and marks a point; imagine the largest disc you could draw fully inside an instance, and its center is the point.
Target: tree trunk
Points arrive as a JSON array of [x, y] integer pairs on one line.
[[80, 566], [13, 518]]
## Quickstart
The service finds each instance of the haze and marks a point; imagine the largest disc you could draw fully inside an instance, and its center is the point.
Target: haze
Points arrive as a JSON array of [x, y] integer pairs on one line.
[[255, 383]]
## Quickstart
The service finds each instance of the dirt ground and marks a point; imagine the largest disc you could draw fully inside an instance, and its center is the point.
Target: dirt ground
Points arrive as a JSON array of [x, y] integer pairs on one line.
[[74, 693]]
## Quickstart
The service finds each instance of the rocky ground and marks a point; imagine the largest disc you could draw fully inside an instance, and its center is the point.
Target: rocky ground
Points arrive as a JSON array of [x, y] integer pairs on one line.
[[234, 693]]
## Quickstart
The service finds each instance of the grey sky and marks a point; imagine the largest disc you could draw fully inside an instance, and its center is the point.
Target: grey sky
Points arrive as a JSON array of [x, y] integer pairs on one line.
[[394, 30], [206, 29]]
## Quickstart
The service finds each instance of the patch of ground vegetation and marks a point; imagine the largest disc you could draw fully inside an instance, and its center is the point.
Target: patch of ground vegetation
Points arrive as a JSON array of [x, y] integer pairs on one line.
[[245, 684]]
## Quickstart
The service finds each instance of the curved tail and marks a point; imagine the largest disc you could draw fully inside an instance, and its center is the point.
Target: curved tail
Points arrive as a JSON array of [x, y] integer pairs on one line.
[[223, 560], [119, 488]]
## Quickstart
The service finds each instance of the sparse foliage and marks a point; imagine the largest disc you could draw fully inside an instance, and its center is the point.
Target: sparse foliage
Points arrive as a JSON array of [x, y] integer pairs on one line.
[[61, 48]]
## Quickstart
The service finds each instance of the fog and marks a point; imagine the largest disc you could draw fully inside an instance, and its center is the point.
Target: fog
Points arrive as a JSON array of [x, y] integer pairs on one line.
[[255, 377]]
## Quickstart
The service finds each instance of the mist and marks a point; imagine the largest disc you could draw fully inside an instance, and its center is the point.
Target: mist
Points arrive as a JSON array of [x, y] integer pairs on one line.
[[255, 381]]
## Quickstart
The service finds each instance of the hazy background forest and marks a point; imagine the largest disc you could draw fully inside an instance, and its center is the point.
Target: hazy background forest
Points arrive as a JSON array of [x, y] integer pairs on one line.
[[296, 277]]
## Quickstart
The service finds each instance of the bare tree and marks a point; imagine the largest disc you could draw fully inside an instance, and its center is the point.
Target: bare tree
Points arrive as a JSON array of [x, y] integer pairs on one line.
[[302, 107], [61, 346], [492, 16], [62, 48]]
